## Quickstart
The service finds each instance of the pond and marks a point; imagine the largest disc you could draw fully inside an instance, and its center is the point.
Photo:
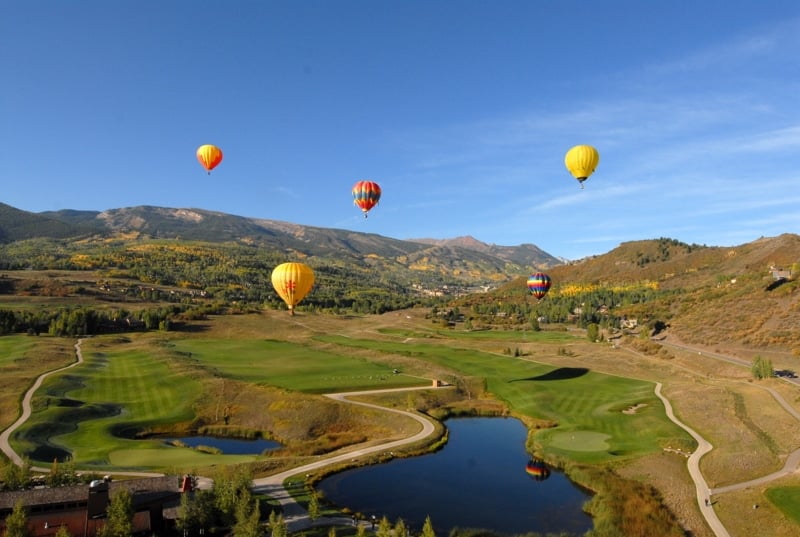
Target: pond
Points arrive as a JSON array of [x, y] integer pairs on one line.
[[228, 446], [482, 478]]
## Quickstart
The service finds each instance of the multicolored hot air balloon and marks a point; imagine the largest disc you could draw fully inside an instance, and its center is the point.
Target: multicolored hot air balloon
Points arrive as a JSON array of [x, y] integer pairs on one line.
[[539, 284], [537, 469], [366, 195], [292, 282], [581, 162], [209, 156]]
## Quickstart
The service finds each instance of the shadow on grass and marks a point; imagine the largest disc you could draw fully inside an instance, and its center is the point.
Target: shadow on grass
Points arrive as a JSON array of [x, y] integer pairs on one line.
[[189, 328], [63, 417], [777, 283], [561, 373]]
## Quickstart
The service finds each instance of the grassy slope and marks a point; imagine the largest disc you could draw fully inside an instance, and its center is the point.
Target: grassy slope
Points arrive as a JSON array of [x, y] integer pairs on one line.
[[121, 386], [22, 359], [292, 366], [153, 383], [700, 388], [578, 400]]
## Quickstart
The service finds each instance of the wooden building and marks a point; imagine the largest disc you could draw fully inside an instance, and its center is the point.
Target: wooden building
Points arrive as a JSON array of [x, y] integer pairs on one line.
[[82, 508]]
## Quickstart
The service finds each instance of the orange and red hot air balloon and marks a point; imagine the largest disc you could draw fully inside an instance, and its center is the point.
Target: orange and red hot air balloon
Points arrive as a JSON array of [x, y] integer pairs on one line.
[[209, 156], [366, 195]]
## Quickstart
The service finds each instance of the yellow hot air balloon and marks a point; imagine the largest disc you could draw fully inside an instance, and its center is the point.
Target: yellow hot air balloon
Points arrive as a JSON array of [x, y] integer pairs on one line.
[[581, 162], [209, 156], [292, 281]]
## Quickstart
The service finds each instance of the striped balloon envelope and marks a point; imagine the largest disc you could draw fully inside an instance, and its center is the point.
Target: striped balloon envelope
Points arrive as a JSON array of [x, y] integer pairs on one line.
[[539, 284], [366, 195]]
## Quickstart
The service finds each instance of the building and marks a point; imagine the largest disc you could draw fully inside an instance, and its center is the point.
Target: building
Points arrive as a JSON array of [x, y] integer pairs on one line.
[[82, 508]]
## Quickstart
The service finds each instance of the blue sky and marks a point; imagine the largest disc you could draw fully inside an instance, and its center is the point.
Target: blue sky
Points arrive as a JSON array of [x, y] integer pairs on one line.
[[461, 110]]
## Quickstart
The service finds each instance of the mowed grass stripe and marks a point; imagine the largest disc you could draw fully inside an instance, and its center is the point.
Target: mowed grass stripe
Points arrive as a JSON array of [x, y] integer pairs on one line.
[[527, 336], [578, 400], [13, 348], [129, 386], [292, 366]]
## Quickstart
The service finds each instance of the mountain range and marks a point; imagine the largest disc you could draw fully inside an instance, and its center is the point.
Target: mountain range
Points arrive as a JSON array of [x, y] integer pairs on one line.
[[463, 255], [747, 294]]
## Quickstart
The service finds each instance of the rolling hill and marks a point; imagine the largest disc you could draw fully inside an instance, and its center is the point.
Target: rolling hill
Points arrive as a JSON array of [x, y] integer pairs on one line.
[[470, 257], [745, 296], [742, 295]]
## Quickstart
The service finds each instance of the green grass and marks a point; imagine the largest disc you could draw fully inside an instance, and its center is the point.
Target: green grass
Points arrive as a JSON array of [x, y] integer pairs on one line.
[[116, 390], [93, 410], [526, 336], [14, 347], [787, 499], [173, 457], [129, 385], [292, 366], [22, 359], [584, 404]]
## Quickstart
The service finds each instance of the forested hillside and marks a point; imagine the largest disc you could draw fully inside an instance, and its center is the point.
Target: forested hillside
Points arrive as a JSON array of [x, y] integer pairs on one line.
[[152, 266], [743, 295]]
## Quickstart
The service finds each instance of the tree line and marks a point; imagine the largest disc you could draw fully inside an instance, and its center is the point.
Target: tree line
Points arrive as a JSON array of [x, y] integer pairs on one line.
[[606, 308], [229, 507]]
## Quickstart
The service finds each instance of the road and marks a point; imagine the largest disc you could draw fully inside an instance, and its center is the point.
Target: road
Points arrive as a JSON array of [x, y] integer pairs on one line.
[[721, 357], [297, 518], [791, 465], [26, 408], [701, 487], [704, 494], [5, 445]]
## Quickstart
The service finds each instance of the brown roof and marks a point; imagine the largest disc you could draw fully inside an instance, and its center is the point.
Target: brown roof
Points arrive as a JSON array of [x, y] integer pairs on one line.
[[143, 489]]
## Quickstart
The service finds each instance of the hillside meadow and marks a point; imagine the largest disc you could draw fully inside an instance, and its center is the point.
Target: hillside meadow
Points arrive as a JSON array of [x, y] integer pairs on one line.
[[587, 405]]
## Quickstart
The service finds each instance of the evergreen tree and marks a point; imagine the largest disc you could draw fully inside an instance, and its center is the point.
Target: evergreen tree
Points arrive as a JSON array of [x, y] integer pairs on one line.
[[247, 517], [195, 511], [400, 529], [313, 506], [427, 528], [62, 475], [17, 522], [277, 525], [63, 531], [384, 528], [230, 484], [762, 368], [16, 477], [119, 522], [593, 332]]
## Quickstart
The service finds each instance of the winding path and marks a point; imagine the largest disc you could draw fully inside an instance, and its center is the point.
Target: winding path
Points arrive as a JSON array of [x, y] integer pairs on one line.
[[294, 515], [791, 465], [5, 446], [701, 487], [297, 518]]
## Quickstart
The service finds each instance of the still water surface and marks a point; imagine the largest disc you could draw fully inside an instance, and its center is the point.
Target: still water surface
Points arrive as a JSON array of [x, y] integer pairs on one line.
[[478, 480]]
